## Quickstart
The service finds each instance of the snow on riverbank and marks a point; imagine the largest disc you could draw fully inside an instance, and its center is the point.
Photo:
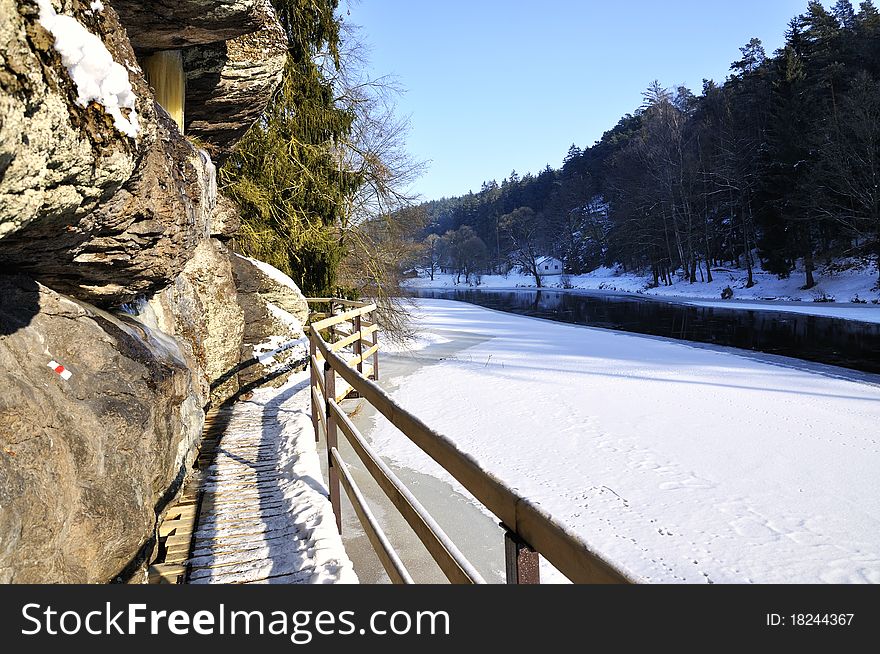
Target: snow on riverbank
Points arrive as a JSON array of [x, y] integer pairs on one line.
[[682, 463], [844, 287], [860, 312]]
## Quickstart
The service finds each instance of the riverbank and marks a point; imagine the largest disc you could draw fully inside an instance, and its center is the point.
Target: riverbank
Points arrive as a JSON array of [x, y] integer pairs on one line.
[[836, 289], [683, 463]]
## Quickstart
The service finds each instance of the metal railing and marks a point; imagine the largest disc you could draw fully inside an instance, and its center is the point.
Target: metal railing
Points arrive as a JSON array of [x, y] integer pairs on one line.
[[530, 532]]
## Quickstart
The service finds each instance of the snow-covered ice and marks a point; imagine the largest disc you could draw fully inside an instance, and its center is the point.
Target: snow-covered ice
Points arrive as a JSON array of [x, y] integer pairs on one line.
[[680, 462], [416, 342], [91, 67]]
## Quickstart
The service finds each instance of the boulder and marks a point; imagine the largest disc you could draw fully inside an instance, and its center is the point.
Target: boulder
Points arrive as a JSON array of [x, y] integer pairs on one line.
[[89, 453], [274, 312], [228, 84], [174, 24], [86, 208], [275, 287], [201, 307], [57, 158], [225, 221]]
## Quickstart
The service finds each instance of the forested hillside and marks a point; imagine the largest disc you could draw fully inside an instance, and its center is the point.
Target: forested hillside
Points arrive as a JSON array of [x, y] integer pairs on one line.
[[777, 166]]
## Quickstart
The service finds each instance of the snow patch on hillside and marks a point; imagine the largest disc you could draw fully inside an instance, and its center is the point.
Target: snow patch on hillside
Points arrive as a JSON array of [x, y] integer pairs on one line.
[[838, 285], [838, 294]]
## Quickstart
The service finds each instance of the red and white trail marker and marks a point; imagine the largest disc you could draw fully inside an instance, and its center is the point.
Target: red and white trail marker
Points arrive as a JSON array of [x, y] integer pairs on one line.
[[63, 372]]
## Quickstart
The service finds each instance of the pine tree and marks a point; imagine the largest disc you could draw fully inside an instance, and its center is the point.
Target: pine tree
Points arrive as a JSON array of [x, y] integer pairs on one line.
[[285, 174]]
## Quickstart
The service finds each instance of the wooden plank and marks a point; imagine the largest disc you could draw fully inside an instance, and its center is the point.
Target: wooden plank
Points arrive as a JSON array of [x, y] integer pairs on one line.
[[334, 300], [358, 347], [389, 558], [165, 574], [344, 389], [451, 561], [376, 355], [338, 345], [342, 317], [564, 549], [318, 408], [319, 378], [315, 380], [358, 360], [330, 426], [568, 553], [489, 490], [522, 563]]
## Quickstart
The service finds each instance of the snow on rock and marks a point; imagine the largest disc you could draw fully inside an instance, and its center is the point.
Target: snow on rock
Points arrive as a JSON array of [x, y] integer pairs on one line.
[[267, 352], [96, 75], [266, 517], [97, 6], [271, 272], [284, 317], [681, 463]]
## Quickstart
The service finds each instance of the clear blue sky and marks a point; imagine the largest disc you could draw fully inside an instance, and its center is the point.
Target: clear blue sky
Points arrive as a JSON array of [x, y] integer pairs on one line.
[[498, 85]]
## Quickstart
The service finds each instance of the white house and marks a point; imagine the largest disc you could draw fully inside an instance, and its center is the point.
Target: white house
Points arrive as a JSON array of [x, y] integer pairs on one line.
[[549, 266]]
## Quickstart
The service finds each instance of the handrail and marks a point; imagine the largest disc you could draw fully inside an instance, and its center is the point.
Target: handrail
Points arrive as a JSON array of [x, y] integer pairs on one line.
[[390, 560], [531, 530], [342, 317], [441, 548]]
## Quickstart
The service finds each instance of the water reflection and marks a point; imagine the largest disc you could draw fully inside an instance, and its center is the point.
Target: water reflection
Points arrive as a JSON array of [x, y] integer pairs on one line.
[[846, 343]]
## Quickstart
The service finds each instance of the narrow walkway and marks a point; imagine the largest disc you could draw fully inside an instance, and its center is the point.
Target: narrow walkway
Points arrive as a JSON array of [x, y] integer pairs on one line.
[[264, 515]]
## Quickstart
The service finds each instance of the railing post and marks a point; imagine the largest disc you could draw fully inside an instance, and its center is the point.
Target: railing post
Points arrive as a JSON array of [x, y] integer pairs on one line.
[[313, 382], [358, 345], [521, 561], [332, 474], [375, 323]]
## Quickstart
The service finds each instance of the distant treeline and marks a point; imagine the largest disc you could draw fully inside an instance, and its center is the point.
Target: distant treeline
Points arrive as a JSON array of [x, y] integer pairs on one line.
[[781, 162]]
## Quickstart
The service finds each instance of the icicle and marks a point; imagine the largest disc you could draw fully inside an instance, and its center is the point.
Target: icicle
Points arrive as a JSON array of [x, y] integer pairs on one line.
[[164, 71]]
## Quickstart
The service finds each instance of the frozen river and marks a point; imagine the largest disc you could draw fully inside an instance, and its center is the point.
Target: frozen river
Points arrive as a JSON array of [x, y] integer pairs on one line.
[[680, 462]]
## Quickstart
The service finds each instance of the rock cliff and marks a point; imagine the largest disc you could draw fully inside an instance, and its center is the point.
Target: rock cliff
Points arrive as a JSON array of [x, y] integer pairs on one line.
[[87, 459], [123, 312]]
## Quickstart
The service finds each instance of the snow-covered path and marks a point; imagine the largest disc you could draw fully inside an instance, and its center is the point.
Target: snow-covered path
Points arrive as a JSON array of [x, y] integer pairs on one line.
[[683, 463], [265, 517]]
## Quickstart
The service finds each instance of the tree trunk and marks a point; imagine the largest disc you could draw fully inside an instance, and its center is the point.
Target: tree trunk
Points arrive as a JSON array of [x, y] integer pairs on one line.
[[747, 245], [878, 265], [708, 260], [809, 266]]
